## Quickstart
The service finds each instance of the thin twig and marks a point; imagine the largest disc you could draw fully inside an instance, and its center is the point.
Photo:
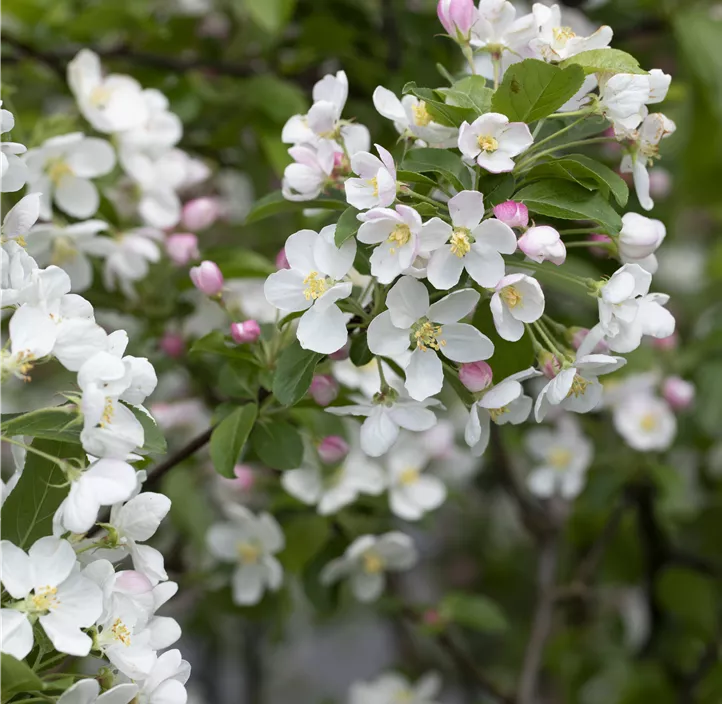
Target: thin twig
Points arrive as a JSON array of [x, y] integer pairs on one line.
[[160, 470]]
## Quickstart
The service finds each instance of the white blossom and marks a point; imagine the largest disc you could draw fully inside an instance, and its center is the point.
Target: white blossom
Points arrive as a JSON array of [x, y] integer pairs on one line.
[[312, 168], [491, 141], [376, 185], [646, 422], [639, 239], [20, 218], [392, 688], [165, 684], [88, 692], [158, 132], [517, 299]]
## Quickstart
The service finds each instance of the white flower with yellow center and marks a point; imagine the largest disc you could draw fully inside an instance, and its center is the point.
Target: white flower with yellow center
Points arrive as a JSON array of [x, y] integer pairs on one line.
[[313, 283], [396, 232], [646, 422], [576, 387], [502, 403], [250, 542], [44, 586], [392, 688], [428, 329], [518, 299], [412, 119], [491, 141], [564, 456], [111, 103], [367, 560], [497, 28], [18, 271], [376, 185], [61, 170], [20, 218], [468, 243], [412, 491], [306, 177], [32, 337]]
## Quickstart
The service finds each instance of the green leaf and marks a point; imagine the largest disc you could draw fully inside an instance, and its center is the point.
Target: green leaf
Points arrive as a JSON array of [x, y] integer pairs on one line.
[[691, 597], [191, 511], [229, 437], [411, 177], [274, 203], [565, 200], [470, 92], [58, 423], [440, 161], [305, 536], [294, 373], [604, 60], [478, 613], [271, 15], [17, 678], [360, 353], [278, 445], [449, 115], [217, 343], [237, 263], [347, 226], [496, 188], [276, 98], [155, 443], [534, 89], [28, 511], [585, 171]]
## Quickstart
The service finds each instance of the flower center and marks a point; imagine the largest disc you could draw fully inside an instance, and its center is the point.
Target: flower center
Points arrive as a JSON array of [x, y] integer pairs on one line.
[[374, 183], [559, 457], [460, 242], [315, 286], [421, 114], [409, 476], [372, 563], [108, 411], [426, 335], [511, 296], [57, 169], [400, 236], [17, 365], [99, 96], [120, 632], [579, 386], [649, 422], [496, 413], [487, 143], [44, 599], [63, 251], [248, 553], [563, 34]]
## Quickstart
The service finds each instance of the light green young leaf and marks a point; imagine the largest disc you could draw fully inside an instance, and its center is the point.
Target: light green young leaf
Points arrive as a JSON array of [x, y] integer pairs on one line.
[[440, 161], [217, 343], [449, 115], [155, 443], [229, 437], [274, 203], [604, 61], [278, 445], [476, 612], [347, 226], [17, 677], [470, 92], [58, 423], [533, 89], [294, 373], [270, 15]]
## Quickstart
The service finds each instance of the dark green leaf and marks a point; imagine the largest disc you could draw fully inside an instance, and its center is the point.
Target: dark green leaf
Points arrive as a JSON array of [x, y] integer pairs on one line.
[[360, 353], [294, 373], [412, 177], [305, 536], [28, 511], [534, 89], [470, 92], [238, 263], [478, 613], [217, 343], [585, 171], [274, 203], [278, 445], [276, 98], [569, 201], [58, 423], [691, 597], [604, 60], [347, 226], [439, 111], [496, 188], [154, 443], [229, 437], [238, 380], [17, 678], [440, 161], [270, 15]]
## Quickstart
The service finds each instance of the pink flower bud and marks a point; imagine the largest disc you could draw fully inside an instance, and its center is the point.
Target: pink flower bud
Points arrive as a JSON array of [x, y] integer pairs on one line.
[[281, 261], [200, 213], [431, 617], [247, 331], [512, 213], [245, 477], [579, 335], [343, 353], [598, 251], [207, 278], [132, 582], [666, 343], [324, 389], [457, 17], [476, 376], [660, 182], [549, 364], [182, 248], [543, 243], [332, 449], [678, 393], [172, 344]]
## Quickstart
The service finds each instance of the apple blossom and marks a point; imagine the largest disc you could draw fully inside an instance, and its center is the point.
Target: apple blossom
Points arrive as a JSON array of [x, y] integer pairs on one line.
[[165, 683], [475, 376], [678, 393], [332, 449], [512, 213], [32, 337], [13, 170], [518, 299], [468, 243], [543, 243], [207, 278], [182, 248], [491, 141], [323, 389], [250, 542], [639, 239], [646, 423], [564, 456], [376, 186], [246, 332], [622, 99], [313, 284], [430, 329], [20, 218], [88, 692], [159, 132], [18, 283], [61, 169], [498, 31], [392, 688], [366, 561], [457, 17], [311, 170]]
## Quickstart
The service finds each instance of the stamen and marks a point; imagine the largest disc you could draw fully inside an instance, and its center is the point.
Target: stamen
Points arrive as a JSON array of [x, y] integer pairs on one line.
[[248, 553], [421, 114], [460, 242], [487, 143], [559, 457], [579, 386], [44, 598], [426, 335], [400, 236], [372, 563], [511, 296], [409, 476], [315, 286]]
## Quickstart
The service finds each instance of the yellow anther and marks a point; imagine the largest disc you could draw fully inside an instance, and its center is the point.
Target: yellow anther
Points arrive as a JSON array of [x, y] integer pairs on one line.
[[563, 34], [57, 169], [108, 412], [400, 236], [426, 335], [64, 250], [99, 96], [559, 457], [248, 553], [579, 386], [372, 563], [421, 114], [487, 143], [511, 296], [460, 242], [44, 598], [649, 422], [496, 413], [120, 632], [409, 476], [315, 286], [374, 182]]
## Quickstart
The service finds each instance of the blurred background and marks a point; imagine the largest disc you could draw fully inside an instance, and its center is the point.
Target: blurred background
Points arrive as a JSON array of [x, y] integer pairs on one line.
[[234, 71]]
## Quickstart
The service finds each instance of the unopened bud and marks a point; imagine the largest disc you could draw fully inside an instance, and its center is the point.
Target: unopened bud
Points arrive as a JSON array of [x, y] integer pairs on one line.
[[666, 343], [457, 17], [281, 261], [182, 248], [512, 213], [207, 278], [245, 477], [332, 449], [172, 344], [599, 251], [678, 393], [543, 243], [324, 389], [343, 353], [578, 335], [245, 332], [549, 364], [200, 213], [475, 376]]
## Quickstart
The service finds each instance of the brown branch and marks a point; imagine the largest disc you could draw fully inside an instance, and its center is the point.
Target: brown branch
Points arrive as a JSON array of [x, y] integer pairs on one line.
[[160, 470]]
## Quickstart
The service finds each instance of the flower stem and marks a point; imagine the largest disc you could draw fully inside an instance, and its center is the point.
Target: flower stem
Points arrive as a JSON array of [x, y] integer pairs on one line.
[[551, 150], [61, 463], [549, 343], [425, 199], [551, 270]]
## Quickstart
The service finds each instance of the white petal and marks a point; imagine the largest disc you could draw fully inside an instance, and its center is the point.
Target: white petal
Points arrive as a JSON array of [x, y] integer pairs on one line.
[[330, 259], [16, 633], [434, 234], [284, 289], [444, 268], [140, 517], [378, 433], [416, 417], [15, 570], [467, 209], [367, 586], [485, 265], [83, 692], [299, 250], [77, 197], [247, 584], [424, 374], [22, 216], [408, 300], [464, 343], [303, 484], [323, 331], [51, 561], [384, 338]]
